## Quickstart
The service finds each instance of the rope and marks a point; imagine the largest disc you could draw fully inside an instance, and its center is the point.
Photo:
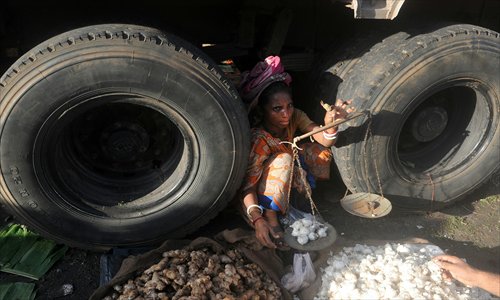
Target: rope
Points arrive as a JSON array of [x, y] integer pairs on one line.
[[346, 191], [369, 135], [433, 190], [305, 183], [365, 160], [290, 180], [295, 151]]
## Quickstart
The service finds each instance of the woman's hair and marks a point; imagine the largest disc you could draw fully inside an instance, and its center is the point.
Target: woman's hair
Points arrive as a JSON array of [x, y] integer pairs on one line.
[[273, 88]]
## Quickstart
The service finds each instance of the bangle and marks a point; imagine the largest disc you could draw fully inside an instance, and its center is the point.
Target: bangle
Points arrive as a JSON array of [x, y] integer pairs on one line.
[[256, 206], [256, 219], [330, 136]]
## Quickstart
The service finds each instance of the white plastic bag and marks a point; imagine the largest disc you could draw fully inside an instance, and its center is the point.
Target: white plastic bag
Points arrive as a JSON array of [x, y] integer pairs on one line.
[[303, 273]]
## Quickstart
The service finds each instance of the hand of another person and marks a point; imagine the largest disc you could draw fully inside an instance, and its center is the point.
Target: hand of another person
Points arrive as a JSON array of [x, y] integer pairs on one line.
[[339, 111], [456, 268], [262, 231]]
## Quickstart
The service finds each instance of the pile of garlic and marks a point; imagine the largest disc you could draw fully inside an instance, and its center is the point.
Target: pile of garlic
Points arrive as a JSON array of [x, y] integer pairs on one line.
[[390, 271], [308, 229]]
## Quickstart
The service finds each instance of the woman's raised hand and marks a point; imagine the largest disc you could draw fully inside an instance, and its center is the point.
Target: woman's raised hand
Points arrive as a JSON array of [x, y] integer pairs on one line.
[[337, 112]]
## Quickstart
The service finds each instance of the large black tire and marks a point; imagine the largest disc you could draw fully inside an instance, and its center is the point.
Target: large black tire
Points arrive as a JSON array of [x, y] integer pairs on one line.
[[434, 99], [332, 67], [119, 135]]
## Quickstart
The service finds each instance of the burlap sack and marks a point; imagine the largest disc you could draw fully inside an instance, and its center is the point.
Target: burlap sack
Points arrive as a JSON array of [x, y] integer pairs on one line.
[[241, 239]]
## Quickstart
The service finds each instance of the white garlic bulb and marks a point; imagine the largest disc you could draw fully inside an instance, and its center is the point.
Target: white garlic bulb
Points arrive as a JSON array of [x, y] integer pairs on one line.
[[304, 230], [401, 271], [308, 229], [312, 236], [302, 239], [322, 232]]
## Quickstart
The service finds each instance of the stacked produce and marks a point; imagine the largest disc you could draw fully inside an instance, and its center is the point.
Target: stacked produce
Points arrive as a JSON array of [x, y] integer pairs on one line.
[[308, 229], [199, 274], [391, 271]]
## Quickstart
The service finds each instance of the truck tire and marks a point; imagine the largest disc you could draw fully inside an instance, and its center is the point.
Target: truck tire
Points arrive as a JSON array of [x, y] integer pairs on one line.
[[119, 135], [332, 68], [335, 64], [434, 130]]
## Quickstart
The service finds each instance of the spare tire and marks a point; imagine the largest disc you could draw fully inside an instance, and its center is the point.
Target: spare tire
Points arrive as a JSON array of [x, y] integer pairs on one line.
[[119, 135], [435, 126]]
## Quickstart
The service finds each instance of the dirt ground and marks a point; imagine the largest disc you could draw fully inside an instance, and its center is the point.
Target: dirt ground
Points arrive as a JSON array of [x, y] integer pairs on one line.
[[469, 229]]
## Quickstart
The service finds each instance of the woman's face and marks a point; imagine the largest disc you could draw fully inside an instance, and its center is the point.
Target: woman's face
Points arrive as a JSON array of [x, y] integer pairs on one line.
[[278, 111]]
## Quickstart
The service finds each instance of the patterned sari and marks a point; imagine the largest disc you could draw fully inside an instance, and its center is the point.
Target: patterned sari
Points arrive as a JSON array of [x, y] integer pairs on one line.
[[270, 164]]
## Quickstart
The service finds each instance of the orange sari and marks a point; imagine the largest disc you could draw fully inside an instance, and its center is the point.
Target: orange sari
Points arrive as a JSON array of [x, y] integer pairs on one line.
[[270, 165]]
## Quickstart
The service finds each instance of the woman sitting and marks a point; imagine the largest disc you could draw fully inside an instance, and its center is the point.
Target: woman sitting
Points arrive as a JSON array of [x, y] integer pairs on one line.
[[267, 184]]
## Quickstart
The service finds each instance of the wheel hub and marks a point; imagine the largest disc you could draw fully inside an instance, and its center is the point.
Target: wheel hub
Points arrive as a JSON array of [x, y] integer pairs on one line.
[[429, 123], [124, 141]]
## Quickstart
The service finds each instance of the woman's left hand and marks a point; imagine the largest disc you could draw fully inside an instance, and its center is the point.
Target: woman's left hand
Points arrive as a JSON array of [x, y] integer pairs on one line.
[[339, 111]]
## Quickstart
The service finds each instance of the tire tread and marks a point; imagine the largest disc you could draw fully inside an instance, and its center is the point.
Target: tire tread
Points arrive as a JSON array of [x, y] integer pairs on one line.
[[387, 58], [91, 35]]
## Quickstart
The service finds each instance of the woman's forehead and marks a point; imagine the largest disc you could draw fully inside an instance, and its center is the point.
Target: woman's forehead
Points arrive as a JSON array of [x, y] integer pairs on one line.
[[280, 99]]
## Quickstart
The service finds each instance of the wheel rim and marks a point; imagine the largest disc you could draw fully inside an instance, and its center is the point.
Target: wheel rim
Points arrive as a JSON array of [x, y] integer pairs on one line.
[[445, 129], [104, 154]]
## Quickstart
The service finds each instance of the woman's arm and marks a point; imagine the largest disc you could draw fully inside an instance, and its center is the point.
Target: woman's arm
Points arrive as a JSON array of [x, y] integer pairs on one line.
[[322, 138], [259, 153], [328, 137], [262, 227]]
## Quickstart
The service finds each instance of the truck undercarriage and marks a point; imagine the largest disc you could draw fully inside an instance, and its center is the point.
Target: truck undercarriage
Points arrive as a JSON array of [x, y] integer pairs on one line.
[[123, 122]]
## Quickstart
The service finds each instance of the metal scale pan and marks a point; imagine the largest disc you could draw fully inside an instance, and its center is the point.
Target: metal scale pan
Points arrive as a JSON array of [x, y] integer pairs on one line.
[[316, 245], [366, 205]]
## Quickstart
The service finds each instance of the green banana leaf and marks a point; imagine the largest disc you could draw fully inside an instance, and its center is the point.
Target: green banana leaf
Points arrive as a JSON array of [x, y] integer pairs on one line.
[[25, 253], [17, 291]]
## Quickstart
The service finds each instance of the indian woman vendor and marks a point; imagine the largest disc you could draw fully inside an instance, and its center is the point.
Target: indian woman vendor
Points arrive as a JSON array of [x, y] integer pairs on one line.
[[266, 188]]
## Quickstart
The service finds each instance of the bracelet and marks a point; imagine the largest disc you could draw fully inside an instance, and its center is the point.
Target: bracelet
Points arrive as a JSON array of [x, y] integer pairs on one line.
[[255, 221], [330, 136], [256, 206]]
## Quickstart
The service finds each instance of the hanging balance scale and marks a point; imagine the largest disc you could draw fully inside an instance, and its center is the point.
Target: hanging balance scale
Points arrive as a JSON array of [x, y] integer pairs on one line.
[[366, 205]]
